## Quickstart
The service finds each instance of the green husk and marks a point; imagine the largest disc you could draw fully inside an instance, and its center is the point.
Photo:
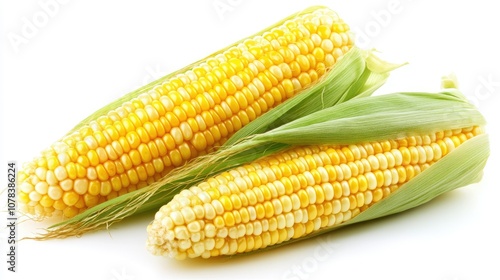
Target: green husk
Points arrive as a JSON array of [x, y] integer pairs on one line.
[[380, 117], [358, 74]]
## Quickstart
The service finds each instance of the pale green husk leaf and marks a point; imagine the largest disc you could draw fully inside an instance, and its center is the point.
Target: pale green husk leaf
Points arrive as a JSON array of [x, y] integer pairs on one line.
[[379, 117]]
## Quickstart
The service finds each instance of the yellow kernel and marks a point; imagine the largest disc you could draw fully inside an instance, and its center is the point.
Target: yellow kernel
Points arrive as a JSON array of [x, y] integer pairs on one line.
[[52, 162], [116, 183], [80, 186], [94, 188], [59, 205], [46, 201], [54, 192], [260, 211], [219, 222], [90, 200], [141, 172], [105, 188], [70, 198], [144, 153], [69, 212]]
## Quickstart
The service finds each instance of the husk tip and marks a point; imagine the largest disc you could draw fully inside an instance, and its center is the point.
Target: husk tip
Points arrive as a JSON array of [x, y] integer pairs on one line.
[[449, 81]]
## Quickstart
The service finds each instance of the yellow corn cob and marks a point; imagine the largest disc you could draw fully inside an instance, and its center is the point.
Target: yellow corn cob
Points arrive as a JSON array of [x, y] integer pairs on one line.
[[291, 194], [185, 116]]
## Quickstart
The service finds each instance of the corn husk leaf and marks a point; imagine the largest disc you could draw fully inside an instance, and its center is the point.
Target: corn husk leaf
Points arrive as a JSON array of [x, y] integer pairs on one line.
[[380, 117], [358, 74]]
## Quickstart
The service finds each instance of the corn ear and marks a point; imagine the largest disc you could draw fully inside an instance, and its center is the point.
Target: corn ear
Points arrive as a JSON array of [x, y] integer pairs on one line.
[[298, 192], [141, 137], [404, 119]]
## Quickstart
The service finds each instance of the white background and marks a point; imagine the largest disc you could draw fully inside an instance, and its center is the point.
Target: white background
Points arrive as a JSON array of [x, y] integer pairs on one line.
[[87, 53]]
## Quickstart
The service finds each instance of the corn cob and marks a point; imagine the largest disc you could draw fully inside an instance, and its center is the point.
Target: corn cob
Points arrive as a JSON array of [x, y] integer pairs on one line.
[[292, 194], [142, 139]]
